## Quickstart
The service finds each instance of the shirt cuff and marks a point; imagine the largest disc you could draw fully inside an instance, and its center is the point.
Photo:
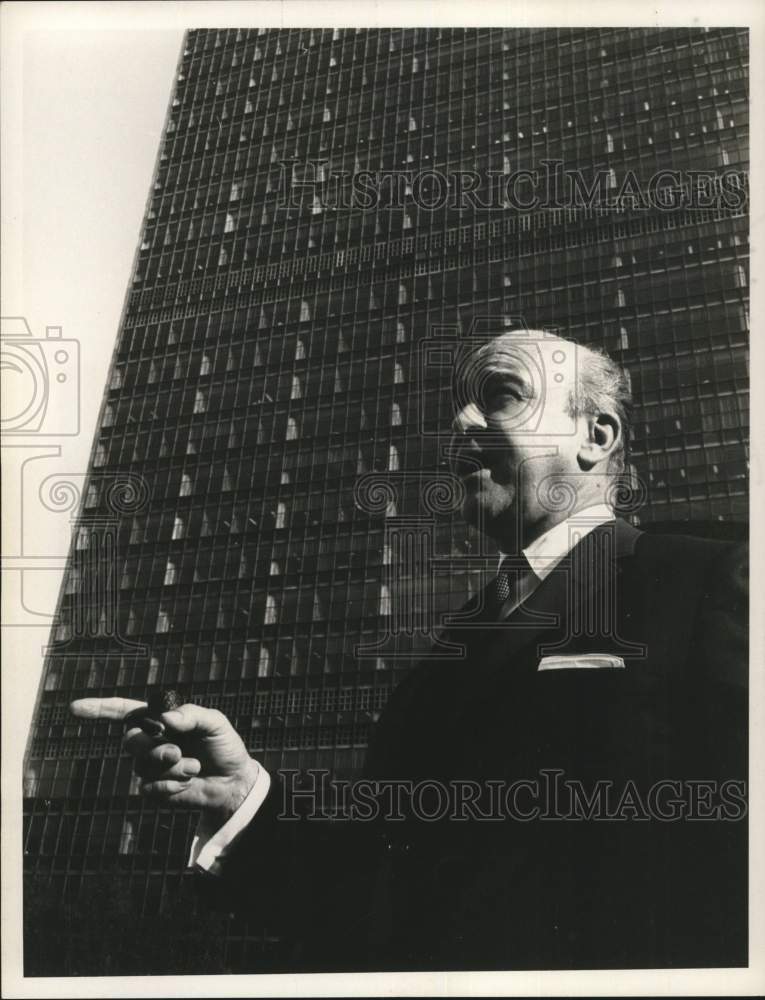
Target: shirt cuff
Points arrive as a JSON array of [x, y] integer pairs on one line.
[[209, 847]]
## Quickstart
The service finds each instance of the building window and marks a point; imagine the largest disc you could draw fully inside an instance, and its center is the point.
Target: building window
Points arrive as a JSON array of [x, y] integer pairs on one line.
[[51, 680], [127, 838], [398, 374], [292, 429], [170, 573], [205, 365], [300, 351], [346, 699], [200, 403], [384, 606], [163, 621], [395, 415], [153, 675], [294, 701], [318, 613], [281, 515], [100, 458], [296, 392], [264, 670], [269, 617], [178, 528], [185, 487], [82, 540], [393, 460]]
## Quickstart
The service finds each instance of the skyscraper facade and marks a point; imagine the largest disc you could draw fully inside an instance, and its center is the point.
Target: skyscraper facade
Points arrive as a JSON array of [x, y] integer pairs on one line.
[[264, 527]]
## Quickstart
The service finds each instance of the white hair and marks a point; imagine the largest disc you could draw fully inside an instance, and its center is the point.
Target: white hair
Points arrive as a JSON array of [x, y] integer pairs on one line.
[[600, 385], [603, 386]]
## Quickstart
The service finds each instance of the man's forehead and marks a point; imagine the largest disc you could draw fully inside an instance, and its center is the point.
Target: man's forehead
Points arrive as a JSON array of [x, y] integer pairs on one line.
[[532, 360], [519, 345]]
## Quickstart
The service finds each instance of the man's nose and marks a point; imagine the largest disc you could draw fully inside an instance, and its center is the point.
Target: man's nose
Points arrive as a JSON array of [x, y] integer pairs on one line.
[[470, 417]]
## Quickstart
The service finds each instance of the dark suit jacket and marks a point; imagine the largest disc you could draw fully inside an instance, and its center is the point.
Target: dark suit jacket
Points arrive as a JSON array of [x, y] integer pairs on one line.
[[632, 890]]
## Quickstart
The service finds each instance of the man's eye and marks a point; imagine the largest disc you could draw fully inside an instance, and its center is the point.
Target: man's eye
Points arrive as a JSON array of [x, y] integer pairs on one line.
[[501, 397]]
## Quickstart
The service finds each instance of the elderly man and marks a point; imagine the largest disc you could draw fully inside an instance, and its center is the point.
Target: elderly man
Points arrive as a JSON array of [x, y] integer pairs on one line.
[[590, 738]]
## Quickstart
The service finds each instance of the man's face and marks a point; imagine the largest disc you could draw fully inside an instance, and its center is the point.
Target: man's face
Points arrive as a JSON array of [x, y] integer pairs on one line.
[[513, 435]]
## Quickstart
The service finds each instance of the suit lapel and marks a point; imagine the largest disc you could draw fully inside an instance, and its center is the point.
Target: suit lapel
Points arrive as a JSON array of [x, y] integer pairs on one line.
[[568, 602]]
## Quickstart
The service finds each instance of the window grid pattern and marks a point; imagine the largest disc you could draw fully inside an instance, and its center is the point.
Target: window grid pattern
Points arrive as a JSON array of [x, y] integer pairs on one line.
[[270, 354]]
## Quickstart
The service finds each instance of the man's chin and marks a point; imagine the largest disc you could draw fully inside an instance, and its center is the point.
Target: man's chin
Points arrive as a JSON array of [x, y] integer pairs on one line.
[[498, 523]]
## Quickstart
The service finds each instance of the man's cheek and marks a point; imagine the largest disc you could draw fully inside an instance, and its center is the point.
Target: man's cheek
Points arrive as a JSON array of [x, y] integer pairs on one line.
[[505, 475]]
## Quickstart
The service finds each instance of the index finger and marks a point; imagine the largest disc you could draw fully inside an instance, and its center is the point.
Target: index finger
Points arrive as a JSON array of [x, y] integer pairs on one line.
[[104, 708]]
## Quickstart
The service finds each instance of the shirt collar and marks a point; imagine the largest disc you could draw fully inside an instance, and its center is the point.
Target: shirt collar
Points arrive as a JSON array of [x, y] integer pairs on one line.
[[546, 551]]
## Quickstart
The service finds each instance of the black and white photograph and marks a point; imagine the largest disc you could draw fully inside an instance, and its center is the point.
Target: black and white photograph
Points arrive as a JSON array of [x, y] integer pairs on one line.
[[376, 482]]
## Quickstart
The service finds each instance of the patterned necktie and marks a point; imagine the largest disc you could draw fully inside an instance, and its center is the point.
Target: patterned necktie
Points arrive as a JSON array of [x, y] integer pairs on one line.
[[502, 585], [510, 579]]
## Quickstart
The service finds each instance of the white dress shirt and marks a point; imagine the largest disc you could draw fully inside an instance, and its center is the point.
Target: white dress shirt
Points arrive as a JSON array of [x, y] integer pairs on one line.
[[545, 552], [209, 846]]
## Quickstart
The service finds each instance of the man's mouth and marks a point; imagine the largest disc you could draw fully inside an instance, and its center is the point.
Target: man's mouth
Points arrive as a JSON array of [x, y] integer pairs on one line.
[[466, 464]]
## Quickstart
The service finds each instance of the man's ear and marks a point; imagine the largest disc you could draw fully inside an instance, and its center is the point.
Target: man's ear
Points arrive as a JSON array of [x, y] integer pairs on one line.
[[604, 432]]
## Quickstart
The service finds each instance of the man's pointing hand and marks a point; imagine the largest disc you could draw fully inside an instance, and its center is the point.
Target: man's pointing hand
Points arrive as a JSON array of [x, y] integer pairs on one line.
[[203, 763]]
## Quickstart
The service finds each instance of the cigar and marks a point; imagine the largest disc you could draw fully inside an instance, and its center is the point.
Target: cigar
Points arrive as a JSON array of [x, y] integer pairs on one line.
[[160, 700]]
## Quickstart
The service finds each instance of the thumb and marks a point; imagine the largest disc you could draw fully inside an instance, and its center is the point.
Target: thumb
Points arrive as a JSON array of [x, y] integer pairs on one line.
[[204, 722]]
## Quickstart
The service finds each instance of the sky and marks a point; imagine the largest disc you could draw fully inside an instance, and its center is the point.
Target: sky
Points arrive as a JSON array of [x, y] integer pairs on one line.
[[93, 109]]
